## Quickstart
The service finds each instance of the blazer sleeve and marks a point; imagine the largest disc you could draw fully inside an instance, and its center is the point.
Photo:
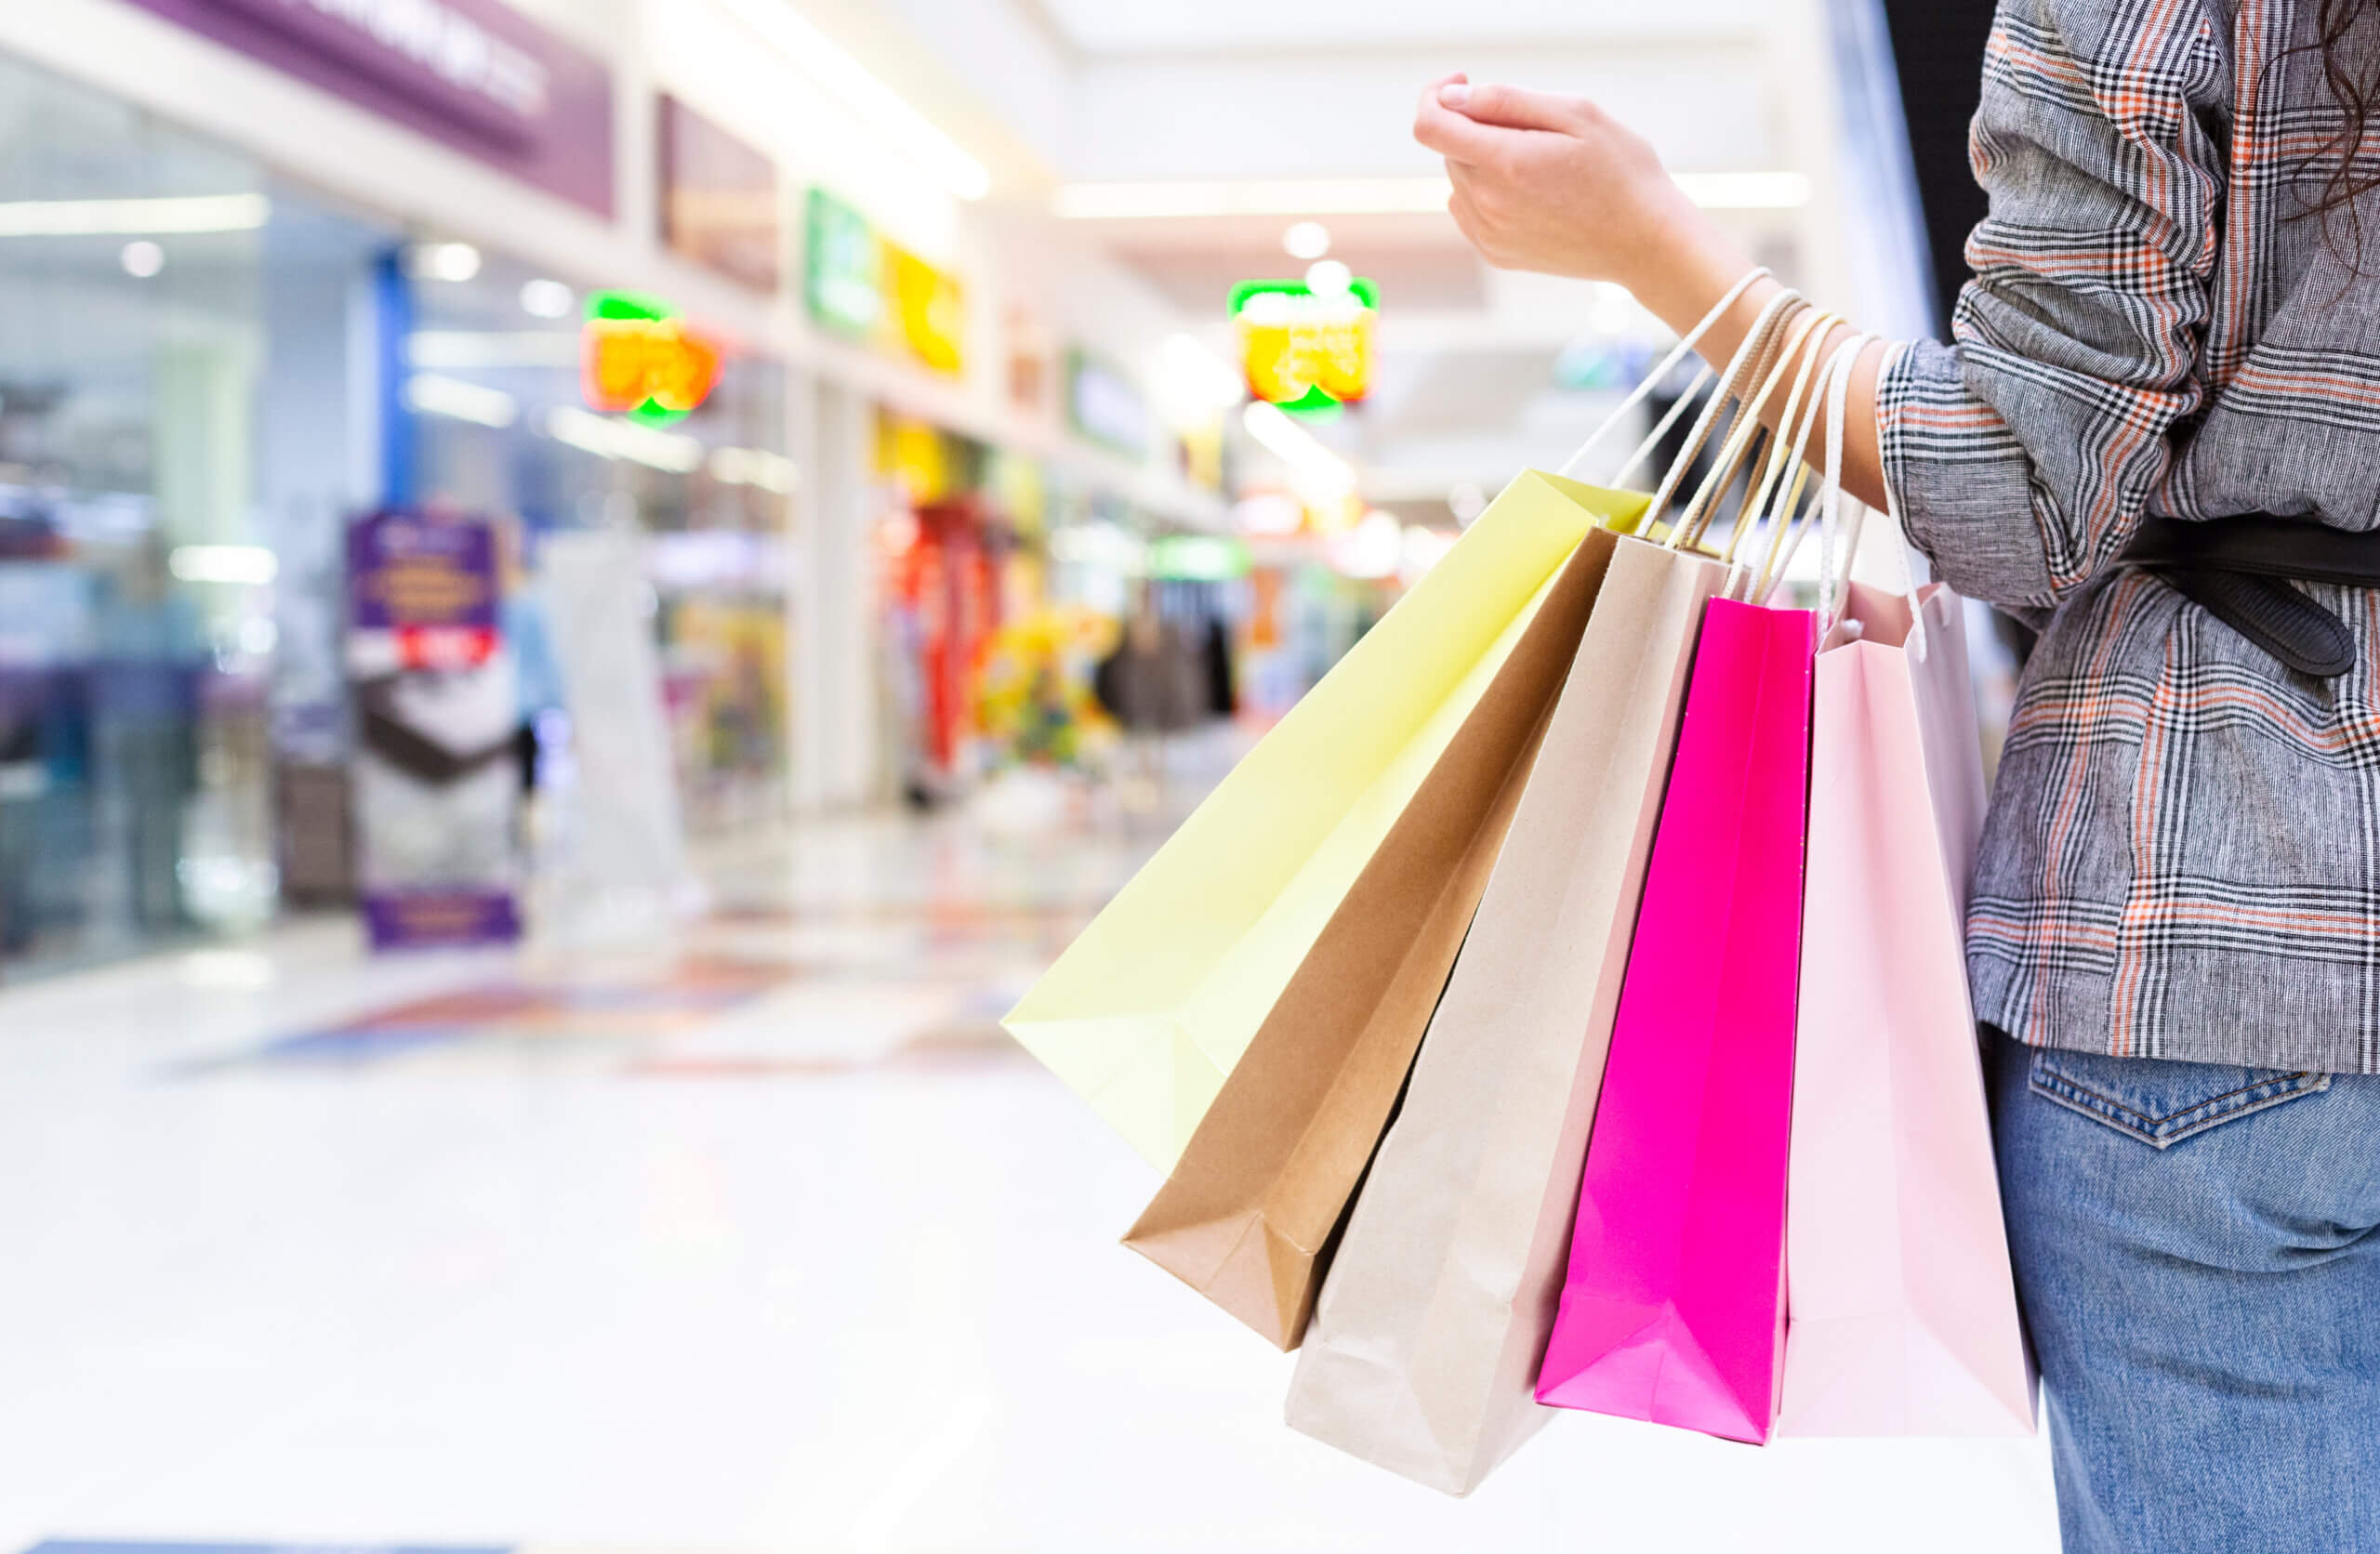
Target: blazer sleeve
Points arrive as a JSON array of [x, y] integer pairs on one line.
[[2024, 456]]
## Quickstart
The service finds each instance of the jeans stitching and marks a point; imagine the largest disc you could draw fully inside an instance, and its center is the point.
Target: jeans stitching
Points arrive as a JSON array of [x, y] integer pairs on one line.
[[2170, 1128]]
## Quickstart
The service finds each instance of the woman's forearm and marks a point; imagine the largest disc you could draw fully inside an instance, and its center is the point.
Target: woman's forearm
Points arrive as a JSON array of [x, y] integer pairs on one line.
[[1553, 184]]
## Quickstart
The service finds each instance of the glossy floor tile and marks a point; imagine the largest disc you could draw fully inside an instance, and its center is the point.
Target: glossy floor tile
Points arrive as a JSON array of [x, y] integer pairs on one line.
[[760, 1237]]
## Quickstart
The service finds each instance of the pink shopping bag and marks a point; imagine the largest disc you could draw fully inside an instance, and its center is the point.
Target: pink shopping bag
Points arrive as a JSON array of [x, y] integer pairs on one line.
[[1673, 1306], [1904, 1310]]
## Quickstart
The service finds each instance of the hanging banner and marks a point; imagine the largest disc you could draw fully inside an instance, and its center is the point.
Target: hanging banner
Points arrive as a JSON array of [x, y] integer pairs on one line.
[[474, 75], [436, 767]]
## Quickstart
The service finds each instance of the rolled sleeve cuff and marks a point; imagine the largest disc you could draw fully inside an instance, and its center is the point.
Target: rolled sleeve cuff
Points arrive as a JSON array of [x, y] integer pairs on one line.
[[1961, 480]]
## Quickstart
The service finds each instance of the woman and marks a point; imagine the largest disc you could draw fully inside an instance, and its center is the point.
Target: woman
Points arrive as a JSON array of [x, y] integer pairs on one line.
[[2177, 912]]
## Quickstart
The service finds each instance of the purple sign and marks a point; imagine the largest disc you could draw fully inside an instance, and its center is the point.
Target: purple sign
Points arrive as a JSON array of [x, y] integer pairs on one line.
[[409, 572], [431, 919], [437, 764], [472, 74]]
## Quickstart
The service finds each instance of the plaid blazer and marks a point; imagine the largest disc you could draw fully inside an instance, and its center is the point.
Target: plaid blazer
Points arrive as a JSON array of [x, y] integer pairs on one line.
[[2183, 854]]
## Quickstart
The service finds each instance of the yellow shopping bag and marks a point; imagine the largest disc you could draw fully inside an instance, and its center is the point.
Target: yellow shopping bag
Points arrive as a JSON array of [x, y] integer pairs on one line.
[[1149, 1009]]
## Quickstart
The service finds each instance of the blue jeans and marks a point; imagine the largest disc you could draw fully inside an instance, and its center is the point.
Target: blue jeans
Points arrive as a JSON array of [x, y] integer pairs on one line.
[[2193, 1246]]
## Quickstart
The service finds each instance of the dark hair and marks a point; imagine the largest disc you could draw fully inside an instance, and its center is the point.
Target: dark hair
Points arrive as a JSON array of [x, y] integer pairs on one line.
[[2353, 76]]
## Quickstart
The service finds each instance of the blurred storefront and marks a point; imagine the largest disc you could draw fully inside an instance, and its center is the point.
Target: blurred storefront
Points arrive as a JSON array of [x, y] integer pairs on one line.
[[261, 274], [501, 425], [175, 452]]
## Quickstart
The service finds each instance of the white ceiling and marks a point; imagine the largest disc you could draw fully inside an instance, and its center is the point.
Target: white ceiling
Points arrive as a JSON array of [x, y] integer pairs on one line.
[[1106, 27], [1242, 92]]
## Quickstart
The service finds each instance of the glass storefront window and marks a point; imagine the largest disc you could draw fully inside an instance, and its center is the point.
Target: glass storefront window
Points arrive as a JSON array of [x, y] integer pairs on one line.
[[500, 427], [149, 478]]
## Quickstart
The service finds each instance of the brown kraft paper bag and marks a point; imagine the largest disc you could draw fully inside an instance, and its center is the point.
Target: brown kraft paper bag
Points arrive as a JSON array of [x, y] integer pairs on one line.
[[1247, 1215]]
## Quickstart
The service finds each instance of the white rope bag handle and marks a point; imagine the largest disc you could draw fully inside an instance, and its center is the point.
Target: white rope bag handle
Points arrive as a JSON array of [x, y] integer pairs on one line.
[[1653, 379]]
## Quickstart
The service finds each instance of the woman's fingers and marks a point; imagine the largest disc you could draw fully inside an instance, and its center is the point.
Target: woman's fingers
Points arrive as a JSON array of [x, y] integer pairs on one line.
[[1511, 107], [1452, 135]]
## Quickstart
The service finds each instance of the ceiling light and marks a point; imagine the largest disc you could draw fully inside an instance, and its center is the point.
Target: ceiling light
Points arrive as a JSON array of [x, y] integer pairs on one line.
[[180, 213], [142, 259], [1158, 200], [1329, 278], [1099, 202], [1372, 549], [1746, 191], [477, 350], [886, 110], [1306, 240], [753, 466], [1269, 512], [595, 434], [1196, 379], [433, 394], [253, 564], [441, 262], [1321, 475], [546, 299]]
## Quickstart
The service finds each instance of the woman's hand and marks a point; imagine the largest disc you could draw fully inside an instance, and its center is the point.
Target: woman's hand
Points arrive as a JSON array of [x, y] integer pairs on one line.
[[1552, 184], [1555, 185]]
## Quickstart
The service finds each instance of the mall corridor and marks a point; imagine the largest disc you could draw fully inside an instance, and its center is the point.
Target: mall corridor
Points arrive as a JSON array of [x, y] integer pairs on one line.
[[597, 598], [759, 1237]]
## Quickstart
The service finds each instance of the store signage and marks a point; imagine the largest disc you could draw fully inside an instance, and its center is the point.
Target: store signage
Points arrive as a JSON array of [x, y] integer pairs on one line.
[[472, 74], [1104, 405], [1198, 558], [719, 198], [638, 358], [931, 308], [437, 715], [862, 285], [845, 268], [1305, 349]]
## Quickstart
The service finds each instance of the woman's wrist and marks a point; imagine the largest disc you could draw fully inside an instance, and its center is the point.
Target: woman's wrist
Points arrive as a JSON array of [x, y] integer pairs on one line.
[[1686, 264]]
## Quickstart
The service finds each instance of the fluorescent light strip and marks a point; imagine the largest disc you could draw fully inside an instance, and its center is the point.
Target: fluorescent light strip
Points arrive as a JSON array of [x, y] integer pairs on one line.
[[753, 466], [253, 564], [179, 213], [1113, 201], [818, 57], [1746, 191], [1297, 447], [608, 439], [478, 350], [1143, 202], [434, 394]]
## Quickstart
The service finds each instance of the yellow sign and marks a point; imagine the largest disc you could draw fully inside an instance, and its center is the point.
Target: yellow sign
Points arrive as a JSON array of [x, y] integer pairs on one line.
[[932, 308], [1305, 349]]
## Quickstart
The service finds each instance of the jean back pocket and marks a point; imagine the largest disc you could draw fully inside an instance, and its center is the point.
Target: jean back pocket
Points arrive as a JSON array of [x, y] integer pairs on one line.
[[2159, 1102]]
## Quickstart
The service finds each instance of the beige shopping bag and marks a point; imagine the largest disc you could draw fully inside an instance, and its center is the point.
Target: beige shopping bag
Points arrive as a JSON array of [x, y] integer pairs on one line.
[[1423, 1351], [1248, 1209]]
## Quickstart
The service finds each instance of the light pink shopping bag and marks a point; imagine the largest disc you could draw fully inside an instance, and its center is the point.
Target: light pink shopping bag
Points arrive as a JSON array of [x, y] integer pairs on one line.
[[1903, 1315], [1673, 1310]]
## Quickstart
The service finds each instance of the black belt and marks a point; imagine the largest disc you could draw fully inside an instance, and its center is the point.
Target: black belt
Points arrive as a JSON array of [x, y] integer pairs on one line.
[[2239, 569]]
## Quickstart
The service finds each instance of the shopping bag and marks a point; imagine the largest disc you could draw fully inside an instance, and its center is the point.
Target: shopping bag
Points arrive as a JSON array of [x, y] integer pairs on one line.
[[1674, 1306], [1423, 1351], [1903, 1315], [1152, 1005], [1244, 1216], [1424, 1344]]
